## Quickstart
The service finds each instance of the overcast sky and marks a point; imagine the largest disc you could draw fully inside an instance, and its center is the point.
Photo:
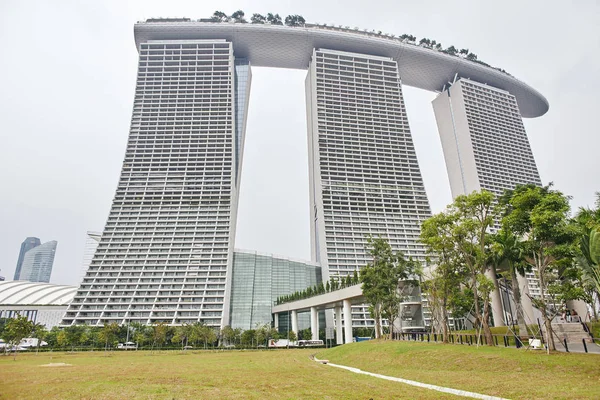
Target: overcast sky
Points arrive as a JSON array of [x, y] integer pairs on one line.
[[68, 71]]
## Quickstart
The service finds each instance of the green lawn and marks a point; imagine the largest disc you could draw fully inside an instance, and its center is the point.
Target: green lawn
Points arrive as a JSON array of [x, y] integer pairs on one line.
[[280, 374], [497, 371], [290, 374]]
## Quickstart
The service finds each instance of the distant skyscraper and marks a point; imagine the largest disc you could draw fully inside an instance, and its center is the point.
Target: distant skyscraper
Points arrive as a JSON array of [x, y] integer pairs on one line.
[[38, 262], [91, 244], [27, 245]]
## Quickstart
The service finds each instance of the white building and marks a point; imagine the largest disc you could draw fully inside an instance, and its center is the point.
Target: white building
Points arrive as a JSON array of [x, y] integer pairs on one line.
[[91, 244], [42, 303]]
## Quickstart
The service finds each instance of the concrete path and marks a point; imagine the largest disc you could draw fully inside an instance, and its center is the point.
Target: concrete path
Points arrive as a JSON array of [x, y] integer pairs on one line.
[[442, 389]]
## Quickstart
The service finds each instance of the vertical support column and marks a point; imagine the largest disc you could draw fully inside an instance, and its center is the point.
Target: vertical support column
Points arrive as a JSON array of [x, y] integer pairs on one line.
[[496, 300], [295, 322], [526, 305], [347, 322], [339, 336], [276, 320], [314, 323]]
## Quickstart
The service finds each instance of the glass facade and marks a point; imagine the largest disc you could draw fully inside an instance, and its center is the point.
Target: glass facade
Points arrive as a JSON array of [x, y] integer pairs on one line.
[[258, 279], [38, 263], [28, 244]]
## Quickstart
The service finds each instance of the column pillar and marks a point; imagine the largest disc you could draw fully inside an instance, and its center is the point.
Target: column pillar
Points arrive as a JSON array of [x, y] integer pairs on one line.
[[347, 322], [314, 323], [295, 322], [276, 320], [339, 335], [525, 299], [496, 300]]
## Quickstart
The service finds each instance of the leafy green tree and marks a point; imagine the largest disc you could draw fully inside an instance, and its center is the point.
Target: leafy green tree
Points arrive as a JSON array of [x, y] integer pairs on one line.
[[39, 332], [219, 16], [451, 50], [238, 17], [16, 329], [228, 335], [540, 217], [508, 250], [380, 279], [445, 278], [247, 338], [182, 335], [258, 19], [473, 215], [108, 334], [292, 337], [274, 19], [294, 20], [75, 335]]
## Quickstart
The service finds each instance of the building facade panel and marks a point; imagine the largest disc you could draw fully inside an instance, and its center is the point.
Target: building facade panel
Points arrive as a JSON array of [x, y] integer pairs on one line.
[[364, 175], [28, 244], [259, 279], [166, 252]]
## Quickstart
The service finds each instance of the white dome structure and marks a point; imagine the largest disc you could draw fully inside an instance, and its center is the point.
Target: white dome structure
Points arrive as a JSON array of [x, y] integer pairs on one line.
[[43, 303]]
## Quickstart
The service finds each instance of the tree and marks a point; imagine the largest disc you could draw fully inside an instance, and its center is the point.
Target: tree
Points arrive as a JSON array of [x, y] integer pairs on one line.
[[274, 19], [182, 335], [380, 279], [292, 337], [219, 16], [451, 50], [294, 20], [474, 215], [108, 334], [508, 250], [238, 17], [75, 335], [247, 338], [540, 217], [39, 332], [258, 19], [16, 329], [448, 274], [228, 334]]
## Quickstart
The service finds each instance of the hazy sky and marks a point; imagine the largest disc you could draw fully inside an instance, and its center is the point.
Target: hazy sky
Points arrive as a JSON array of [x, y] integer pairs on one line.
[[68, 71]]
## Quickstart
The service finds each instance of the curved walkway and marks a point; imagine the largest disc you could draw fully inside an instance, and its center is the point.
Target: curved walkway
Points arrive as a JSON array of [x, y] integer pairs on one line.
[[442, 389]]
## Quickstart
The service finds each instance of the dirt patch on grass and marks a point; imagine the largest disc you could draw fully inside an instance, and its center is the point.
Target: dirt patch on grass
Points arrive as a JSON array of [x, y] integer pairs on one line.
[[56, 365]]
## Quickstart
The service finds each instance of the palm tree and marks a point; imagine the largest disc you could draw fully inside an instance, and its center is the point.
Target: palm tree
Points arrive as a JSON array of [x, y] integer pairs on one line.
[[507, 250]]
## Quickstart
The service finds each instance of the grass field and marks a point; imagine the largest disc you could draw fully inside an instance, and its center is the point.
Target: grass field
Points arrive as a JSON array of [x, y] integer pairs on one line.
[[290, 374], [510, 373], [280, 374]]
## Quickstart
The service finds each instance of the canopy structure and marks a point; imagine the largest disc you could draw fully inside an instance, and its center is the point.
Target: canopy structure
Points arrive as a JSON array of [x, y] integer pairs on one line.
[[292, 47]]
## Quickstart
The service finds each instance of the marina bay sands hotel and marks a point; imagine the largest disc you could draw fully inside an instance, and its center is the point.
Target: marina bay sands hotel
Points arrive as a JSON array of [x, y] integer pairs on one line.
[[167, 252]]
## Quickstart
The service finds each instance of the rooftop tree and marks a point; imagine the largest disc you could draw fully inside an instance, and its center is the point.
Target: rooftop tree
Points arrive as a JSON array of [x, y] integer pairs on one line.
[[238, 16], [294, 20], [219, 16], [258, 19], [274, 19]]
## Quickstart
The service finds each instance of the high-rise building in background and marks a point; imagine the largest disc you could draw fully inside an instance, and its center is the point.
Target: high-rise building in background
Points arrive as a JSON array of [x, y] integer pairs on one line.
[[486, 147], [167, 248], [91, 244], [27, 245], [483, 138], [166, 253], [38, 262], [364, 176]]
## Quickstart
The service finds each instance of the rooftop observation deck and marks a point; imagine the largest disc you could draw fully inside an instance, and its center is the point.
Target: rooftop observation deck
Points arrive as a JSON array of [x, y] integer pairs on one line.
[[282, 46]]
